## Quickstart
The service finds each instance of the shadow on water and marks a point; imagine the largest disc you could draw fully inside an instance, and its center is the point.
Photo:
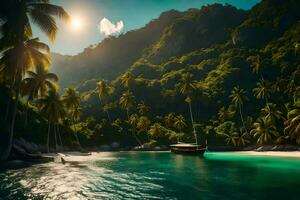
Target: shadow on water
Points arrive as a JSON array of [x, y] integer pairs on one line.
[[149, 175]]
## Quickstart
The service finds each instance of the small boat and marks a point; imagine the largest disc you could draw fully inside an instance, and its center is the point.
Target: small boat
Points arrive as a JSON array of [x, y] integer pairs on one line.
[[188, 149]]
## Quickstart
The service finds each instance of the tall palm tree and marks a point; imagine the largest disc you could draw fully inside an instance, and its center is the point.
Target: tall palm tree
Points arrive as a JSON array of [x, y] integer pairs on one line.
[[37, 84], [271, 113], [17, 32], [52, 106], [179, 124], [264, 130], [72, 100], [104, 91], [292, 124], [238, 96], [262, 90], [133, 121], [143, 124], [186, 86], [32, 53], [127, 101], [76, 113]]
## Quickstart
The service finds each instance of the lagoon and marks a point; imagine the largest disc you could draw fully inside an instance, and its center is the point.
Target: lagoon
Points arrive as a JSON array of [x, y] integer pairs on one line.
[[156, 175]]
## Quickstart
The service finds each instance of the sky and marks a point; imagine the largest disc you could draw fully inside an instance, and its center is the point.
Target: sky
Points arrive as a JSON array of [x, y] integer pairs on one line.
[[93, 20]]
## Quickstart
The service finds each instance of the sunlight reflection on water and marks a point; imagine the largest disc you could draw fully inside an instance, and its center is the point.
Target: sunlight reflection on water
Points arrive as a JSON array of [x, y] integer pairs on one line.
[[154, 176]]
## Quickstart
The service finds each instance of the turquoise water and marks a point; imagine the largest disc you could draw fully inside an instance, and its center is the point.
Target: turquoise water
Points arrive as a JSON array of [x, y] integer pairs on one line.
[[156, 176]]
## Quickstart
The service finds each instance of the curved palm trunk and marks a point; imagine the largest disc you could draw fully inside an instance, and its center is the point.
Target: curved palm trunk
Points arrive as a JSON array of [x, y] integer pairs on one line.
[[31, 96], [59, 137], [77, 140], [242, 119], [55, 138], [76, 136], [192, 120], [48, 138]]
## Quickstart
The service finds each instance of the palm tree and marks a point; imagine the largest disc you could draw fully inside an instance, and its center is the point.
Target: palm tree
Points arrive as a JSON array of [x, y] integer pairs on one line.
[[231, 138], [143, 124], [155, 130], [76, 113], [179, 124], [37, 84], [17, 34], [238, 96], [262, 90], [127, 79], [104, 91], [13, 70], [225, 114], [292, 124], [271, 113], [264, 130], [169, 120], [127, 101], [133, 121], [72, 100], [52, 106], [186, 86], [142, 108], [257, 66]]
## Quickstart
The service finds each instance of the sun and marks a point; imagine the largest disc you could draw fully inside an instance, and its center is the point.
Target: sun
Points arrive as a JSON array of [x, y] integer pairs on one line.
[[76, 23]]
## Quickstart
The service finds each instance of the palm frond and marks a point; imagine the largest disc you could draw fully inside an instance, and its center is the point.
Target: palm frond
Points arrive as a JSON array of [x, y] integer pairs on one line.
[[35, 43], [45, 22], [50, 9]]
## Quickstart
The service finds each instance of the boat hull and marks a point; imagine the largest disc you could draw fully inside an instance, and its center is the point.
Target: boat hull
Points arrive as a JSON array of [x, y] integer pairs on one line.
[[198, 152]]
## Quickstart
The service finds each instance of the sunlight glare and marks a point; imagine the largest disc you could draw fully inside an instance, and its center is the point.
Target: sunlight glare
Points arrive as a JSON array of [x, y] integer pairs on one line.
[[76, 23]]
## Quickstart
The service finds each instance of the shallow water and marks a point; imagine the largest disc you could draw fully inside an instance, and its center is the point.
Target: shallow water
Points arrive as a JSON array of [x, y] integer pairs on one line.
[[153, 175]]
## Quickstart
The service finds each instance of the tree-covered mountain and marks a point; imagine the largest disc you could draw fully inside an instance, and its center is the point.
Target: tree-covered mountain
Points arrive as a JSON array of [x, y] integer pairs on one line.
[[230, 75], [232, 67], [113, 55]]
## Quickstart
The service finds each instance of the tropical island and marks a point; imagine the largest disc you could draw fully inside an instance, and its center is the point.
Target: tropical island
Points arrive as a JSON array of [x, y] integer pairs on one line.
[[225, 77]]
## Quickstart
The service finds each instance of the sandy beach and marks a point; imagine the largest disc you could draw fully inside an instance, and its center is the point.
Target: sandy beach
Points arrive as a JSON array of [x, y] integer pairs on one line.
[[293, 154]]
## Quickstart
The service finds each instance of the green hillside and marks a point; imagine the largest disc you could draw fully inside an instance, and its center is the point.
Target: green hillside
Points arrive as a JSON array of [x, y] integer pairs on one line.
[[213, 59]]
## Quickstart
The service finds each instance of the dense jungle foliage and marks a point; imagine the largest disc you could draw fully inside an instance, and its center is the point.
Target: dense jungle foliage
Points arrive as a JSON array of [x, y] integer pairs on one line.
[[227, 76]]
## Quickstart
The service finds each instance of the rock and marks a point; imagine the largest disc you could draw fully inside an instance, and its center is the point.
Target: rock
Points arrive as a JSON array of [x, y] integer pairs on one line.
[[157, 148], [115, 145]]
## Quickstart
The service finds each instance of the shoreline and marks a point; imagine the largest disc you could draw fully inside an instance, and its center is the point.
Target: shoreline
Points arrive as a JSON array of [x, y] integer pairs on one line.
[[290, 154], [70, 156]]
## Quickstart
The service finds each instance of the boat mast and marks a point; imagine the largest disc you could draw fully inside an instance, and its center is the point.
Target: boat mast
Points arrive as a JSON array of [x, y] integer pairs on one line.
[[192, 120]]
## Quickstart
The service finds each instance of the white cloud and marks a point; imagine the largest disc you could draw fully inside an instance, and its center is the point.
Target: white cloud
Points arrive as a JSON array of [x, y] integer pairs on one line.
[[108, 28]]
